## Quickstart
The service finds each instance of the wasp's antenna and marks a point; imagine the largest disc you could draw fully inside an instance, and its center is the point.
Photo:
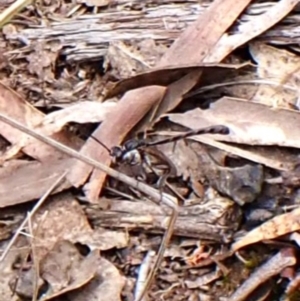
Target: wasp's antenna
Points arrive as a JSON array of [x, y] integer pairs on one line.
[[101, 143]]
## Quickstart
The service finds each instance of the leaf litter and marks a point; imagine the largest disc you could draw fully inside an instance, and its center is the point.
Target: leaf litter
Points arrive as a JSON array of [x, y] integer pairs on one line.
[[235, 192]]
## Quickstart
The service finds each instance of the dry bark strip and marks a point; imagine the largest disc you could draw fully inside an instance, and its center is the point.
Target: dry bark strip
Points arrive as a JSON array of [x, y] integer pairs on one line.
[[271, 229], [163, 22], [191, 47], [284, 258], [195, 221]]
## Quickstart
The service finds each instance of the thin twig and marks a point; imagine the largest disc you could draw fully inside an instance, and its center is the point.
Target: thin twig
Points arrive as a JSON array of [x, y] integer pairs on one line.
[[36, 271], [31, 214], [12, 10]]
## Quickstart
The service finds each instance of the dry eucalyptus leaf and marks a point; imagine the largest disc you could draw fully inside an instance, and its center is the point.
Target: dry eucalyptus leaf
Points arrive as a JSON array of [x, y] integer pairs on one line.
[[106, 285], [183, 157], [167, 75], [83, 112], [241, 184], [65, 220], [7, 274], [128, 59], [277, 226], [175, 93], [40, 61], [59, 265], [274, 157], [24, 284], [201, 39], [253, 27], [23, 181], [249, 123], [279, 66], [103, 239], [65, 269], [61, 218], [203, 280], [14, 106]]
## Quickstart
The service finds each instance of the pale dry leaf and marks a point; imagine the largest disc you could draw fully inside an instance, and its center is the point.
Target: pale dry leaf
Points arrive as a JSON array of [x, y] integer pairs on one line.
[[64, 219], [127, 60], [273, 62], [183, 157], [256, 25], [242, 184], [280, 66], [61, 218], [106, 285], [171, 76], [7, 273], [83, 112], [277, 226], [200, 39], [60, 265], [24, 286], [175, 92], [274, 157], [202, 281], [41, 59], [9, 29], [65, 269], [14, 106], [22, 181], [249, 123], [151, 51], [102, 239], [178, 250]]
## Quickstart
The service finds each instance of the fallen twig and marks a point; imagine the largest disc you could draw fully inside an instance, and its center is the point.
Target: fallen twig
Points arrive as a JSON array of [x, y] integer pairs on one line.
[[12, 10]]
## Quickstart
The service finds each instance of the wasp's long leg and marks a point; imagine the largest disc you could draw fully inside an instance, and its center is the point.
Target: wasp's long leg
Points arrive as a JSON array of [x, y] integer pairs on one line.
[[215, 129]]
